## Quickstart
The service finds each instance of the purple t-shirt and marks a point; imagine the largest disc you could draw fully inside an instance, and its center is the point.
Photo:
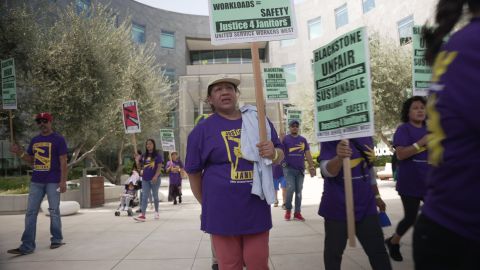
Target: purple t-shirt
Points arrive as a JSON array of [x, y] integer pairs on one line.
[[277, 170], [46, 152], [294, 149], [412, 172], [453, 184], [175, 177], [228, 207], [332, 205], [150, 166]]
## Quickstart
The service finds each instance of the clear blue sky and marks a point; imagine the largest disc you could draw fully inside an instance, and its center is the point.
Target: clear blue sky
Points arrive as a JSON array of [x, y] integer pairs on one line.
[[198, 7]]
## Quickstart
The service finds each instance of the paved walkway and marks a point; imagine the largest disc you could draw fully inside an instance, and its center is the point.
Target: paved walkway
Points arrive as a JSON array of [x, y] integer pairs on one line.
[[96, 239]]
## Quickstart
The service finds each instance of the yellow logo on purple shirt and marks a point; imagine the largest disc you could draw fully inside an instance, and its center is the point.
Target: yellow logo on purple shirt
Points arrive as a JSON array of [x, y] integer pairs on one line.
[[42, 156], [299, 147], [234, 153], [434, 126], [149, 163]]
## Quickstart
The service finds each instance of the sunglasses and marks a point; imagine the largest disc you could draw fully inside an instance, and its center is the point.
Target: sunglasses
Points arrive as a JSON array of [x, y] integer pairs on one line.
[[41, 120]]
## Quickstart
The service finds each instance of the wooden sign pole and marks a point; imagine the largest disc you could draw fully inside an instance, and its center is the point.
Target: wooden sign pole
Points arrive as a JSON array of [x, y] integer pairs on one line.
[[280, 117], [347, 178], [11, 125], [257, 74], [134, 142]]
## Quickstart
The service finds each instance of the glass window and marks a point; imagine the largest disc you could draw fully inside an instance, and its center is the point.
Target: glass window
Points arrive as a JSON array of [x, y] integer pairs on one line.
[[138, 33], [246, 56], [314, 28], [405, 30], [169, 73], [287, 42], [234, 56], [341, 16], [171, 119], [82, 5], [290, 73], [167, 39], [206, 57], [220, 56], [261, 54], [368, 5]]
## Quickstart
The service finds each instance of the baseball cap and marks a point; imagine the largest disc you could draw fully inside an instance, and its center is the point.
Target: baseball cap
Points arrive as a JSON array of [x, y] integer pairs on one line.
[[223, 78], [293, 122], [44, 115]]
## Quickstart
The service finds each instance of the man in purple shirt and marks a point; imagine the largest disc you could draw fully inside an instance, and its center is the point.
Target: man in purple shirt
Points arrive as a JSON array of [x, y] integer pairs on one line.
[[296, 149], [47, 154]]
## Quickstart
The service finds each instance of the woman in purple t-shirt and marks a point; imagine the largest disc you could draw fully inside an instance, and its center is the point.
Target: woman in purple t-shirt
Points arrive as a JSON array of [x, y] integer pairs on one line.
[[409, 140], [174, 169], [151, 164], [447, 233], [221, 180]]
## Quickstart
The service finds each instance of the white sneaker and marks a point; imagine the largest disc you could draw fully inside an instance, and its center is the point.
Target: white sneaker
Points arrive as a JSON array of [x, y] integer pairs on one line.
[[157, 216]]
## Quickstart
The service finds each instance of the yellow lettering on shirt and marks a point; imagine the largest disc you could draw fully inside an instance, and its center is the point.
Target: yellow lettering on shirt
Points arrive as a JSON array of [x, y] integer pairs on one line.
[[436, 133], [231, 139], [42, 154], [441, 63]]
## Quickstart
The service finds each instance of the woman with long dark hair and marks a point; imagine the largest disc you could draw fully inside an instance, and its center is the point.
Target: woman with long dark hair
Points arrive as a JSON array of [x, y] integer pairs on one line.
[[447, 233], [409, 140], [151, 164]]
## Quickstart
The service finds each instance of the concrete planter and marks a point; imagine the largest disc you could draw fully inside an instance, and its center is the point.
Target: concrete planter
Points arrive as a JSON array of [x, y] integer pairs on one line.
[[13, 204]]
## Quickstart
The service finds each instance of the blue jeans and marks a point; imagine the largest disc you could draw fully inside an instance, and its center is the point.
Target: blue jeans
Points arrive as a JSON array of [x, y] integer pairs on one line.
[[35, 197], [149, 188], [294, 185]]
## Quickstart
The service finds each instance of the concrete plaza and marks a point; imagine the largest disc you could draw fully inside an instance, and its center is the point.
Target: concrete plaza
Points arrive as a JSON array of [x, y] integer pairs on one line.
[[96, 239]]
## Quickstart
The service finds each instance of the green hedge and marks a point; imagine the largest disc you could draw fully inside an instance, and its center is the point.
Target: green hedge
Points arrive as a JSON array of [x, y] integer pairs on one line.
[[14, 184], [381, 160]]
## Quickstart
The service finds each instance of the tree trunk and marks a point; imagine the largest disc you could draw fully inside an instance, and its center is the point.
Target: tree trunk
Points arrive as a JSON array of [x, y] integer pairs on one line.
[[385, 140], [87, 153]]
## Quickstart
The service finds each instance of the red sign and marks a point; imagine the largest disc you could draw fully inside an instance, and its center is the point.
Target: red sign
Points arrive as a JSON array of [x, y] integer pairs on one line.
[[131, 118]]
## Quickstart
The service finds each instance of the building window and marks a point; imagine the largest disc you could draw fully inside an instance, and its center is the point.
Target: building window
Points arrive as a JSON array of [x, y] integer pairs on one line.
[[169, 73], [405, 27], [82, 6], [368, 5], [287, 42], [167, 39], [171, 119], [314, 28], [138, 33], [241, 56], [341, 16], [234, 56], [290, 73]]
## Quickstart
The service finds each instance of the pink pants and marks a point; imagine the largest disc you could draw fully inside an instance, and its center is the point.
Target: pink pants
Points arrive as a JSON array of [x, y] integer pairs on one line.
[[235, 251]]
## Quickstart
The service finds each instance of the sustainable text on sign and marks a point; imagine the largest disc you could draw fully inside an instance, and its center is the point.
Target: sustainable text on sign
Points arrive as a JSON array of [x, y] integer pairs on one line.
[[342, 85], [275, 84], [234, 21], [421, 72]]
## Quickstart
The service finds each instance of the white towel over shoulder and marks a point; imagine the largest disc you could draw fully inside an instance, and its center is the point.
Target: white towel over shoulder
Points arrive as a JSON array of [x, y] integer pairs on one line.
[[262, 167]]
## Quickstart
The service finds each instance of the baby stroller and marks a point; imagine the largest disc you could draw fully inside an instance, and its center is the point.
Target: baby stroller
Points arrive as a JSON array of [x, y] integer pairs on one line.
[[129, 198]]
